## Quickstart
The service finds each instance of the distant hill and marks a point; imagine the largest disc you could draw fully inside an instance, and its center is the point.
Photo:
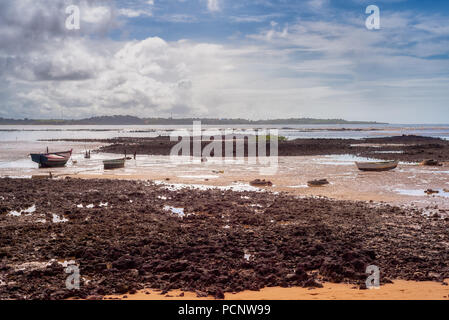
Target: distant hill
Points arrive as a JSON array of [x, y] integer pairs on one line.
[[106, 120], [130, 120]]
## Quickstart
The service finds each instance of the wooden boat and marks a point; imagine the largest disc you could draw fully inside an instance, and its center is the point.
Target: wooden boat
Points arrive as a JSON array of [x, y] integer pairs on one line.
[[114, 164], [318, 183], [51, 160], [377, 166]]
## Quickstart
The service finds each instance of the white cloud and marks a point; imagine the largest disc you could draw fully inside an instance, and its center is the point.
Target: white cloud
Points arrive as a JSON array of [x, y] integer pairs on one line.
[[133, 13], [146, 77], [213, 5], [95, 15]]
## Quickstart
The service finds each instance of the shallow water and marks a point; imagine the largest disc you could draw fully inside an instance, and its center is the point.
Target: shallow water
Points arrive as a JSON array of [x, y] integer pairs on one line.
[[359, 131], [421, 193], [176, 211], [58, 219], [238, 187], [29, 210], [388, 152], [343, 159]]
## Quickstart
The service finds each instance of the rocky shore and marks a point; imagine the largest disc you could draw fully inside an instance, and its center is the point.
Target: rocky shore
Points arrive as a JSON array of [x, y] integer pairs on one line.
[[129, 235], [403, 148]]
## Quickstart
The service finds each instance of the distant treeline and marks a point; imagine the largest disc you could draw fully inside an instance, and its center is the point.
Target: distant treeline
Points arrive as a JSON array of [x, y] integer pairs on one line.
[[130, 120]]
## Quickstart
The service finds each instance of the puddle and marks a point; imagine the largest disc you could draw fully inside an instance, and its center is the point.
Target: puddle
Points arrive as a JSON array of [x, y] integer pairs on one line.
[[246, 255], [343, 159], [377, 145], [200, 177], [37, 265], [176, 211], [29, 211], [299, 186], [387, 152], [238, 187], [58, 219], [421, 193], [30, 266]]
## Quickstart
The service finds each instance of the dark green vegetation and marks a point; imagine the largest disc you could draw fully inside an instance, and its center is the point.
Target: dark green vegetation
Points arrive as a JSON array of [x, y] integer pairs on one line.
[[130, 120]]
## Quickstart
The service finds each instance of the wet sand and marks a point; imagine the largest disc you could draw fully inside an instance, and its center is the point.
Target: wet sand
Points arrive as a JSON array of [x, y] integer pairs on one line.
[[403, 186]]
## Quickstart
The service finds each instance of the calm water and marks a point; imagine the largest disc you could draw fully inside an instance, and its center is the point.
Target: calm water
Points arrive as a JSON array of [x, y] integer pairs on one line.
[[35, 133]]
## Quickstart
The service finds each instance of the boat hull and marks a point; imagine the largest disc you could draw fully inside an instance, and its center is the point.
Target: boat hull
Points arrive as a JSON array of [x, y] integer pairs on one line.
[[377, 166], [114, 164], [49, 160]]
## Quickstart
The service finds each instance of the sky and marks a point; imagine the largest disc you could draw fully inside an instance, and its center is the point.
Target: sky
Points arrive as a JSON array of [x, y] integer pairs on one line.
[[257, 59]]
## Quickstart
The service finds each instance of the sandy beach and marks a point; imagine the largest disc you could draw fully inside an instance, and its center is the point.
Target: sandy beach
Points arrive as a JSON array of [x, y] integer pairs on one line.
[[398, 290]]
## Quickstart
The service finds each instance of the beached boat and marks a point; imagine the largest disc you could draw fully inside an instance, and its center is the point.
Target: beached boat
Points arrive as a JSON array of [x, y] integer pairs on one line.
[[114, 164], [377, 166], [51, 160], [317, 183]]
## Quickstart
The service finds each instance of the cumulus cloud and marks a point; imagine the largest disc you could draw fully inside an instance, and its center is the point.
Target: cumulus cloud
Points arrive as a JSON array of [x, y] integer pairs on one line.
[[148, 77]]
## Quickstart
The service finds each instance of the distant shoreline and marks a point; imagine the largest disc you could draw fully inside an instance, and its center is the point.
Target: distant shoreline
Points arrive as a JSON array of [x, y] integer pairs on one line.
[[130, 120]]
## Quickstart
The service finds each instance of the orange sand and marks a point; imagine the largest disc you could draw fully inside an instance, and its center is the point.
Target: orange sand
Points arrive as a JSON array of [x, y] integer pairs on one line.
[[399, 290]]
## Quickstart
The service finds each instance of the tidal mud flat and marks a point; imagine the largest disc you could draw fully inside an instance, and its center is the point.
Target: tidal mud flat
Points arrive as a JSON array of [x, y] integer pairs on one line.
[[130, 235], [406, 148]]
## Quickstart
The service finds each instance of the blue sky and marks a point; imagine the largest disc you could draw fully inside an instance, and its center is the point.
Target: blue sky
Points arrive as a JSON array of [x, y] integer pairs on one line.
[[221, 58], [191, 19]]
